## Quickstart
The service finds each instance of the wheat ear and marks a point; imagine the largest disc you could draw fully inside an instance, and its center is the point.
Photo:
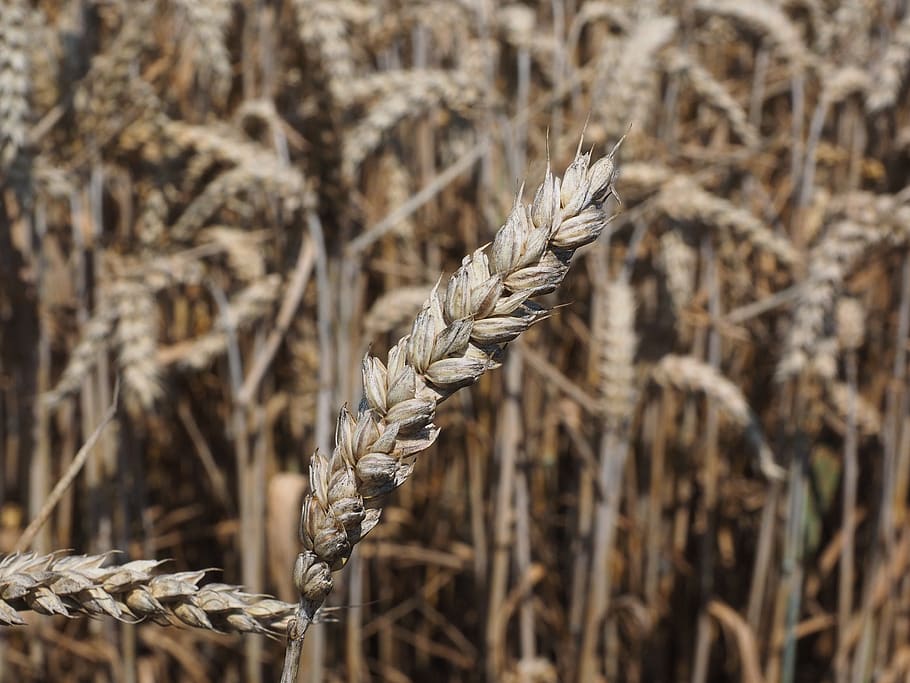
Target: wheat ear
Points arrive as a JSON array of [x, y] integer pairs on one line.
[[457, 336], [78, 585]]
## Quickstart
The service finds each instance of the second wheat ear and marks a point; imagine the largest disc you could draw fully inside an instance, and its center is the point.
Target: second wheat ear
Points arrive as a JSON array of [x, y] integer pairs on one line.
[[458, 335]]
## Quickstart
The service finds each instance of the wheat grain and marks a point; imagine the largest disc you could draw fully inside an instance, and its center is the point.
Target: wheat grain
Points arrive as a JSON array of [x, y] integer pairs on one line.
[[80, 585]]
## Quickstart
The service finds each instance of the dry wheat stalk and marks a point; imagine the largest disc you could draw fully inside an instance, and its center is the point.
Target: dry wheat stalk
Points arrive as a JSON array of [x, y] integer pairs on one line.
[[686, 373], [80, 585], [14, 79], [458, 335]]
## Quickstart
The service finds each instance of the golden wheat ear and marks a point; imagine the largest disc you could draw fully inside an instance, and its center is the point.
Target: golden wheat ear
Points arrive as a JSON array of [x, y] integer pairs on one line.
[[459, 333]]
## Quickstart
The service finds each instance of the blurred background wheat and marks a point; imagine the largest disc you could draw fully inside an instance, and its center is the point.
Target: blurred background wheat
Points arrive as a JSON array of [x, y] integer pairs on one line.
[[698, 470]]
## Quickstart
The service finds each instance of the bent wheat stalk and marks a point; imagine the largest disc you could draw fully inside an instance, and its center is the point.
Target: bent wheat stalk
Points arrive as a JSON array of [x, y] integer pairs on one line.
[[458, 335]]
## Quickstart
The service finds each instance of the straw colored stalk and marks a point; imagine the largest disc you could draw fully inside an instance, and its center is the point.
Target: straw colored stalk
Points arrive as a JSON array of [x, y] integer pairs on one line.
[[458, 335], [80, 585]]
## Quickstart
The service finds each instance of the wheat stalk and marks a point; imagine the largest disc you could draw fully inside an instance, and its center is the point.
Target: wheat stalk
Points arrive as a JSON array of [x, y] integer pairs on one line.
[[458, 335], [80, 585]]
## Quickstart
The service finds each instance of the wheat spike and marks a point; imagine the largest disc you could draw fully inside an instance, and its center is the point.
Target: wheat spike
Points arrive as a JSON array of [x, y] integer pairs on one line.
[[632, 80], [203, 23], [714, 94], [399, 95], [679, 262], [14, 79], [136, 340], [80, 585], [686, 373], [85, 354], [867, 223], [868, 416], [618, 344], [766, 20], [458, 335], [891, 71], [243, 252], [683, 199], [247, 306], [394, 309], [111, 96], [323, 27], [851, 323]]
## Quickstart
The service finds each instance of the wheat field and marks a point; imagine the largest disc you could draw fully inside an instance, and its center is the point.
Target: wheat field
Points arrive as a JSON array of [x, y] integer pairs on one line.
[[260, 262]]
